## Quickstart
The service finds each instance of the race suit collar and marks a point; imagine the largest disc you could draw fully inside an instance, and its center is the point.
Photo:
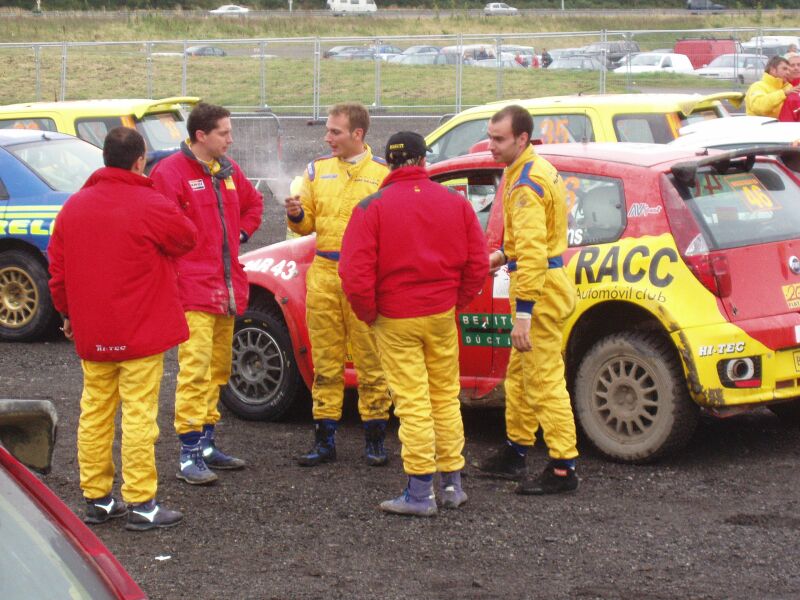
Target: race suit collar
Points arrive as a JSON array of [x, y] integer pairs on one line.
[[225, 165], [116, 175], [527, 156], [405, 174]]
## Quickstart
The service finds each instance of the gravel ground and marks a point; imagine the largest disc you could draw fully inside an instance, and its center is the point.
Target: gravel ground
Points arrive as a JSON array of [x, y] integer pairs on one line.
[[719, 520]]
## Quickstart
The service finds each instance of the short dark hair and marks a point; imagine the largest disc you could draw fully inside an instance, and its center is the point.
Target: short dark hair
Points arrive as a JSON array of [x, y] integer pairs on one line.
[[773, 63], [205, 117], [357, 115], [521, 120], [122, 148]]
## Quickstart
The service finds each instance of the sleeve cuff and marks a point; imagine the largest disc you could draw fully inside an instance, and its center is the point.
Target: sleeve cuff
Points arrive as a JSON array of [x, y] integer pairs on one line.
[[298, 218], [525, 306]]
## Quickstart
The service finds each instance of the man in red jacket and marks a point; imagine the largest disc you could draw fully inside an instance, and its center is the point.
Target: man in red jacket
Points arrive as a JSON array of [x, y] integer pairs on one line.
[[412, 253], [113, 281], [214, 193]]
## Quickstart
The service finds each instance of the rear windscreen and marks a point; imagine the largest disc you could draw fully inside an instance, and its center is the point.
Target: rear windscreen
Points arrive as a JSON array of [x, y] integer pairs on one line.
[[742, 209]]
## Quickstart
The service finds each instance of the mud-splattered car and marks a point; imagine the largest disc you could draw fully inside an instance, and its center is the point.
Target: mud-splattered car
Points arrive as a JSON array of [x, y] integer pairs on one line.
[[688, 280]]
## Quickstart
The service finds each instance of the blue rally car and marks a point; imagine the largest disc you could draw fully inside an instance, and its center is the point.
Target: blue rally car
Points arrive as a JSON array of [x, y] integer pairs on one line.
[[38, 172]]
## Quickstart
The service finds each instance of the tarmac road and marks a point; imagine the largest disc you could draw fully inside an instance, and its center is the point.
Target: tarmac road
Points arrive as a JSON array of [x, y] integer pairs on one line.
[[720, 520]]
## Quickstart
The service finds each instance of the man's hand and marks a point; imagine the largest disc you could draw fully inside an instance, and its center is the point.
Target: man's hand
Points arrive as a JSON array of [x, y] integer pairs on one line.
[[521, 335], [293, 206], [67, 329], [496, 260]]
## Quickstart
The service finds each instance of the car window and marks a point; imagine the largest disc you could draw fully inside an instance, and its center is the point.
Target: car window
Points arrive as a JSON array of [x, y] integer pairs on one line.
[[458, 140], [3, 191], [63, 164], [478, 187], [596, 208], [742, 209], [563, 128], [39, 560], [647, 128], [94, 129], [37, 123], [162, 131]]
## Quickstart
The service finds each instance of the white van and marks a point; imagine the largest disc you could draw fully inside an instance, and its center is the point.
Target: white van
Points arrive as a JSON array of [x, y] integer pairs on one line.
[[348, 7]]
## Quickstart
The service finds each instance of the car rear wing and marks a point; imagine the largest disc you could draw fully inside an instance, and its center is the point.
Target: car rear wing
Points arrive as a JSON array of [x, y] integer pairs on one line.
[[687, 107], [740, 160], [28, 431], [163, 104]]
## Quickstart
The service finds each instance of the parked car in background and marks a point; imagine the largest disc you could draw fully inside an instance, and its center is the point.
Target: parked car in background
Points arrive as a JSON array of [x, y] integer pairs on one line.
[[39, 170], [742, 132], [605, 118], [356, 53], [499, 9], [686, 295], [770, 45], [425, 59], [47, 551], [421, 50], [161, 122], [470, 52], [656, 62], [742, 68], [205, 51], [696, 5], [503, 62], [701, 51], [578, 62], [611, 52], [341, 8], [230, 10], [331, 52], [385, 51]]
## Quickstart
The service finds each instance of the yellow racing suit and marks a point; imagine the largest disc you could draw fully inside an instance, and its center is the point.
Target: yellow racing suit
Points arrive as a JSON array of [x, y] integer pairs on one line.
[[535, 215], [331, 188], [765, 98]]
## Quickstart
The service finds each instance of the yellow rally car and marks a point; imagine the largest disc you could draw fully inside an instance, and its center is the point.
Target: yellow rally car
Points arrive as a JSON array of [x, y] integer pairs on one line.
[[653, 118], [162, 122]]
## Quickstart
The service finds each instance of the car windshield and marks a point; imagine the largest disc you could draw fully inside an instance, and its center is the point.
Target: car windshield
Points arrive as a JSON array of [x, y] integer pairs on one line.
[[726, 60], [38, 559], [646, 60], [162, 131], [63, 164], [745, 208]]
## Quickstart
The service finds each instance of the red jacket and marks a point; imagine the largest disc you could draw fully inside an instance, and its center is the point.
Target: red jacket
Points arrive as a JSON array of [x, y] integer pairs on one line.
[[413, 248], [210, 277], [111, 271]]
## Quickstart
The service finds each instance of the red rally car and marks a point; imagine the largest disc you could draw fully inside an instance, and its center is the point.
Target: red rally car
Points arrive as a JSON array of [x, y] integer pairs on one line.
[[688, 283]]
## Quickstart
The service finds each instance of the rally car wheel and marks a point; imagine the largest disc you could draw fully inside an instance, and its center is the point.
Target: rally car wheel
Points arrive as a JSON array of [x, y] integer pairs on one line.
[[26, 310], [264, 378], [631, 398]]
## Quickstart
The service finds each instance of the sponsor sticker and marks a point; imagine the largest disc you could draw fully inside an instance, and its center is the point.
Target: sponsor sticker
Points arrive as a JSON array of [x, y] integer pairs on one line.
[[792, 295], [797, 361], [197, 184]]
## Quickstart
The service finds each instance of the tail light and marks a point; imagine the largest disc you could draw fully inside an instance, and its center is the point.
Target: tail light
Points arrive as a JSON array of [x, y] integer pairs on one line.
[[710, 269]]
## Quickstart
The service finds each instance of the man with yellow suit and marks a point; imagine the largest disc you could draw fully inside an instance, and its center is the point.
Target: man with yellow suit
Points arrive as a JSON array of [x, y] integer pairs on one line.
[[541, 296], [332, 187]]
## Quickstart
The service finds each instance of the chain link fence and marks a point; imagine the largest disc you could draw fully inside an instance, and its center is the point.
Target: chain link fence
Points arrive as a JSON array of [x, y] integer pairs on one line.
[[301, 76]]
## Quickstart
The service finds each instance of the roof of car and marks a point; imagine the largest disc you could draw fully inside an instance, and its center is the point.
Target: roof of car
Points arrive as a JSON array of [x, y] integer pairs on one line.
[[9, 137], [118, 106]]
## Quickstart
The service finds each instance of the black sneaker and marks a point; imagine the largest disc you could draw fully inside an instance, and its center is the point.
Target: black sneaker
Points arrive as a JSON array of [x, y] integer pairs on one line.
[[553, 480], [324, 450], [103, 509], [506, 463], [150, 515]]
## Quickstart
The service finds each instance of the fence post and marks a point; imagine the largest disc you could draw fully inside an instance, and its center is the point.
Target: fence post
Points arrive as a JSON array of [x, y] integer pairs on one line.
[[37, 59], [148, 49], [498, 63], [263, 97], [316, 93], [183, 70], [63, 92], [604, 54], [459, 71], [377, 101]]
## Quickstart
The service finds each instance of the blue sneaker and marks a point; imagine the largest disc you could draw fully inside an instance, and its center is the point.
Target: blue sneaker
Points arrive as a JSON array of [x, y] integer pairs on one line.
[[324, 449], [103, 509], [193, 468], [417, 500], [214, 457], [450, 491], [150, 515]]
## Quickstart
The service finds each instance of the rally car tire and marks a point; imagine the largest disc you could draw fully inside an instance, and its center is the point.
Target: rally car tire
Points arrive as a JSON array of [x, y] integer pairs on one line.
[[264, 379], [26, 309], [631, 399]]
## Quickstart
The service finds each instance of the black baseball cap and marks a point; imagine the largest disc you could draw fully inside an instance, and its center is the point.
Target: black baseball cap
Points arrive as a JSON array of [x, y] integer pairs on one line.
[[405, 145]]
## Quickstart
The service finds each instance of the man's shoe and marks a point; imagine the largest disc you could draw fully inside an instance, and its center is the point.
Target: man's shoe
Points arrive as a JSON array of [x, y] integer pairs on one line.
[[324, 449], [103, 509], [216, 458], [150, 515], [193, 468], [417, 500], [553, 480], [506, 463], [374, 435], [450, 491]]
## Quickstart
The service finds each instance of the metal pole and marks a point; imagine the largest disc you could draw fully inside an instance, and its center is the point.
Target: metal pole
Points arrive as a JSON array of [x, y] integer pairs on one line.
[[148, 49], [183, 71], [498, 60], [37, 59], [63, 92], [316, 92], [377, 102], [603, 38], [263, 49], [459, 71]]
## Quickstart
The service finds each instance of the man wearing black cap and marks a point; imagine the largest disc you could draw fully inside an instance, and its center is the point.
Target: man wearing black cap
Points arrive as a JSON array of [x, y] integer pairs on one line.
[[412, 253]]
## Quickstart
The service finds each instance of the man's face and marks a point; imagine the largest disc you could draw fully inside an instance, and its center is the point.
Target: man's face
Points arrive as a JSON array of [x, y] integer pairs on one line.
[[505, 148], [794, 67], [781, 71], [217, 141], [343, 142]]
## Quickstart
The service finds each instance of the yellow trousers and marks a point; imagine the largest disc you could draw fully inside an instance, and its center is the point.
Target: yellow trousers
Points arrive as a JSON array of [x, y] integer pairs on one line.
[[420, 358], [331, 322], [204, 365], [134, 383], [536, 390]]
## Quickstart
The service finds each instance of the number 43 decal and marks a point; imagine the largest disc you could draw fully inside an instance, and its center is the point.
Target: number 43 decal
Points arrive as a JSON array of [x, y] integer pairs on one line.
[[285, 269]]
